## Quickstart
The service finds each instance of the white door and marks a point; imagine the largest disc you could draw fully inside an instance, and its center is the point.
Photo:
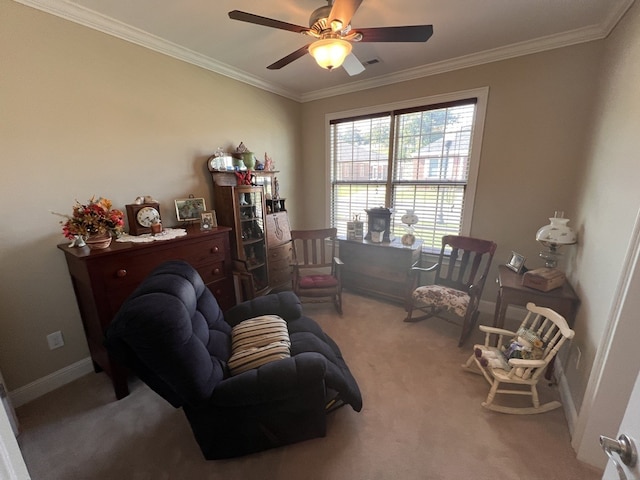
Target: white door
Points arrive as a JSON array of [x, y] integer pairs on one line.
[[630, 426], [12, 465]]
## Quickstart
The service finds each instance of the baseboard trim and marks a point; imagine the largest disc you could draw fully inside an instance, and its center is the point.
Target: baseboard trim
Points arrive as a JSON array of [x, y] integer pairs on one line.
[[47, 384], [568, 405]]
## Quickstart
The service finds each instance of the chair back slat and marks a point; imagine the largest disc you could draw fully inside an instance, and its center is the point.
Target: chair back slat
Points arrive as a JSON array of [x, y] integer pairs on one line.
[[552, 328], [314, 248], [464, 261]]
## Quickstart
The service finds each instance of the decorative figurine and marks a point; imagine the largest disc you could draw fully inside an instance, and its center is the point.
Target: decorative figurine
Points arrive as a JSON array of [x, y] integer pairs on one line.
[[268, 163]]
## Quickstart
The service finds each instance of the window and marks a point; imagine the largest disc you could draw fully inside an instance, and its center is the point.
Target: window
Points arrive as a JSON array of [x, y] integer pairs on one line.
[[422, 157]]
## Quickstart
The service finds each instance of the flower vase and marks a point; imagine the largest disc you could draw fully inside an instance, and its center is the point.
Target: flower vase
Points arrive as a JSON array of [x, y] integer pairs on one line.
[[98, 241], [249, 160]]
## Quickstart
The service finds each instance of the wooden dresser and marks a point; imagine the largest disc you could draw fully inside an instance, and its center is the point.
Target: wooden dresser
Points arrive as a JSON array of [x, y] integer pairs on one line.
[[380, 269], [280, 250], [103, 279]]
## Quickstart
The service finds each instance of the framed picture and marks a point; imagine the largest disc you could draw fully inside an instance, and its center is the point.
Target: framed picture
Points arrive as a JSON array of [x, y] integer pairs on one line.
[[208, 220], [516, 262], [189, 209]]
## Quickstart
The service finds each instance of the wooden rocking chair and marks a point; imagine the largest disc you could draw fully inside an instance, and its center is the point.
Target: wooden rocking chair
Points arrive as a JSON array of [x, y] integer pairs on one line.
[[460, 274], [542, 328], [316, 269]]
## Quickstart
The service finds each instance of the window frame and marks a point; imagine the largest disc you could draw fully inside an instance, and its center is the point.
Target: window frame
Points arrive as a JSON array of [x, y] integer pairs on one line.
[[481, 94]]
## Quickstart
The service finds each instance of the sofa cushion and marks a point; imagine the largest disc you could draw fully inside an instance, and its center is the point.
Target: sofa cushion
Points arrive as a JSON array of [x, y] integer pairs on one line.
[[258, 341], [258, 332], [255, 357]]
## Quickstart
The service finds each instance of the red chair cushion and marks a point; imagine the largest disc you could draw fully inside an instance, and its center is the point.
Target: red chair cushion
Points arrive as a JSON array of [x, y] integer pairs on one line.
[[317, 281]]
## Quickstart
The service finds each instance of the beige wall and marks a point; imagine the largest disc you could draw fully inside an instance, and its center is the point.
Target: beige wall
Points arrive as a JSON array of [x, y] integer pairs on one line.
[[83, 114], [534, 133], [609, 204]]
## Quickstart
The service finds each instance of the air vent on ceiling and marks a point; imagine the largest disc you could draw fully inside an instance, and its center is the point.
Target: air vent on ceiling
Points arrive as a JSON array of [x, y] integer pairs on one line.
[[373, 61]]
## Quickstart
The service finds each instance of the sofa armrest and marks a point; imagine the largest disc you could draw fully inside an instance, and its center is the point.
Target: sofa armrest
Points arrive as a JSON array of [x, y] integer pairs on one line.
[[272, 382], [284, 304]]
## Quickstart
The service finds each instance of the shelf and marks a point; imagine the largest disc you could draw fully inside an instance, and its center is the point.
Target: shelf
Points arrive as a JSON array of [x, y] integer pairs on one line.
[[251, 268], [252, 241]]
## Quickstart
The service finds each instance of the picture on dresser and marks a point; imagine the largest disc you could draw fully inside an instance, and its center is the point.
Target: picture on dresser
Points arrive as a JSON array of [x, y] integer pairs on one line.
[[208, 220], [190, 209], [516, 262]]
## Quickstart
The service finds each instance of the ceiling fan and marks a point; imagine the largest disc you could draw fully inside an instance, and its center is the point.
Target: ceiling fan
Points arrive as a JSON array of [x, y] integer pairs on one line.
[[330, 26]]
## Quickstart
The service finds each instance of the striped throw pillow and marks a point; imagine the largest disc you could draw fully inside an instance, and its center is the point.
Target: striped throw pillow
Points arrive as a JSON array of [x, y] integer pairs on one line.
[[258, 341]]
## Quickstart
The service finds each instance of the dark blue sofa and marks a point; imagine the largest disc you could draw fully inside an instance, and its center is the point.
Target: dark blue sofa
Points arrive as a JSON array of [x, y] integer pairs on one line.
[[171, 333]]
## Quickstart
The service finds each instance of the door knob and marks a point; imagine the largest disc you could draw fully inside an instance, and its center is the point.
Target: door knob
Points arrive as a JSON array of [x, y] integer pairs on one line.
[[625, 449]]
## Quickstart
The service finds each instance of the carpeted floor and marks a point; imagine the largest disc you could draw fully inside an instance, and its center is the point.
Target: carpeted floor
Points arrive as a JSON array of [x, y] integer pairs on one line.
[[421, 419]]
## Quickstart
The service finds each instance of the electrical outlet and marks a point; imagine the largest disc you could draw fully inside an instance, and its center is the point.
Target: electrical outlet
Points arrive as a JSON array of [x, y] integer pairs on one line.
[[55, 340]]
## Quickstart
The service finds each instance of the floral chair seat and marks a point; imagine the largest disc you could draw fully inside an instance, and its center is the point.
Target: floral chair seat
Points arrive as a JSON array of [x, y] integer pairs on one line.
[[441, 297]]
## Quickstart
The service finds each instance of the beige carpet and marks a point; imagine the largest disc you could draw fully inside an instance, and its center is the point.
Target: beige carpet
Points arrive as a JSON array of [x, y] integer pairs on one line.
[[421, 419]]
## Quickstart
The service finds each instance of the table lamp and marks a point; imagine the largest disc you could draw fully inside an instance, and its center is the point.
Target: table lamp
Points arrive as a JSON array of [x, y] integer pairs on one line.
[[553, 236]]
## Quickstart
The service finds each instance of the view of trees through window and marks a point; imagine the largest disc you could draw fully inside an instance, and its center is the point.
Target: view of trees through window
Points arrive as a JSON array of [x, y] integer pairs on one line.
[[414, 159]]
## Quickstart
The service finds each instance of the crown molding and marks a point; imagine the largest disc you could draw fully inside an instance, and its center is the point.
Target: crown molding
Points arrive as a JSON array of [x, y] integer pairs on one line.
[[89, 18], [551, 42], [96, 21]]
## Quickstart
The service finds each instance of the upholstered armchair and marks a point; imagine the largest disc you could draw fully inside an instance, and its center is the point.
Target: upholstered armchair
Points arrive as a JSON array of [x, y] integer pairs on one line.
[[173, 335]]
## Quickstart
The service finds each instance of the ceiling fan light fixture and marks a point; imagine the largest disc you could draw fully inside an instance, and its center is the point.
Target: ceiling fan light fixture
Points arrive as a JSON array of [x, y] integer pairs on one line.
[[330, 52]]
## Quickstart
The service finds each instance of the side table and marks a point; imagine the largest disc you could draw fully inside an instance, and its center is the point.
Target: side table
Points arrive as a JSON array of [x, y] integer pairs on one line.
[[511, 292]]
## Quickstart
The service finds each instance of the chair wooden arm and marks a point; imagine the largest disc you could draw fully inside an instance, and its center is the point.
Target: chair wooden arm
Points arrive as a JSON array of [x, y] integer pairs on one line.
[[418, 270], [519, 362], [497, 331], [500, 332]]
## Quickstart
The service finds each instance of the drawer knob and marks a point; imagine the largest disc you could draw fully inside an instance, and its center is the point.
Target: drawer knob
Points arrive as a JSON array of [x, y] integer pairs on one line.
[[121, 273], [215, 249], [216, 271]]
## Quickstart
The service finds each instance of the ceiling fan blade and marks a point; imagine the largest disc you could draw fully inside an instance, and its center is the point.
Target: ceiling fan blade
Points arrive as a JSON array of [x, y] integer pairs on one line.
[[352, 65], [343, 10], [266, 22], [412, 33], [283, 62]]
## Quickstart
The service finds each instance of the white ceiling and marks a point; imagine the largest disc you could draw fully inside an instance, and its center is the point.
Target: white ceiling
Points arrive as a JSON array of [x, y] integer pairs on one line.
[[466, 32]]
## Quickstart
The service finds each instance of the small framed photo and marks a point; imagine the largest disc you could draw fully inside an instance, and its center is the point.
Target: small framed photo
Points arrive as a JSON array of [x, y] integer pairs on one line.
[[208, 220], [516, 262], [189, 209]]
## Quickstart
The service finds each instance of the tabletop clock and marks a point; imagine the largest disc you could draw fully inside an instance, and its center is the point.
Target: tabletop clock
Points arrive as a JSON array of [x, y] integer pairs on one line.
[[142, 216], [379, 220]]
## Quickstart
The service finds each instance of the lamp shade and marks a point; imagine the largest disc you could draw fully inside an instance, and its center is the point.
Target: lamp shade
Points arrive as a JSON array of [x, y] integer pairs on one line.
[[330, 52], [556, 233]]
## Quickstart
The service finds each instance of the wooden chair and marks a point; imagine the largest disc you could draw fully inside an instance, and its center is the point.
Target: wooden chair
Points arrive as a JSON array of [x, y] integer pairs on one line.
[[542, 326], [316, 269], [460, 275]]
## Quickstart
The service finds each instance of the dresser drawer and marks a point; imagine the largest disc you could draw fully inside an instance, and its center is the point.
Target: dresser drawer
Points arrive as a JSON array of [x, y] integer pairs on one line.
[[224, 293], [128, 270], [212, 272], [281, 256], [280, 259]]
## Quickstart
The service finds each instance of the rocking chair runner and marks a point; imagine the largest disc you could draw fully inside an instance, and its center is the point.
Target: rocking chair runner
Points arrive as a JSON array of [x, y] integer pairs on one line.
[[549, 329], [458, 284]]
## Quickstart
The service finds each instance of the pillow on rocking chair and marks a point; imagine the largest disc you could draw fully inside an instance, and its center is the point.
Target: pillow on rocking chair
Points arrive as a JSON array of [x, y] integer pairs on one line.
[[317, 281], [440, 296]]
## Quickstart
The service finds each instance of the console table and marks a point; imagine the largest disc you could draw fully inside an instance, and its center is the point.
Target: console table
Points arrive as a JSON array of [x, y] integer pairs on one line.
[[103, 279], [511, 292], [380, 269]]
